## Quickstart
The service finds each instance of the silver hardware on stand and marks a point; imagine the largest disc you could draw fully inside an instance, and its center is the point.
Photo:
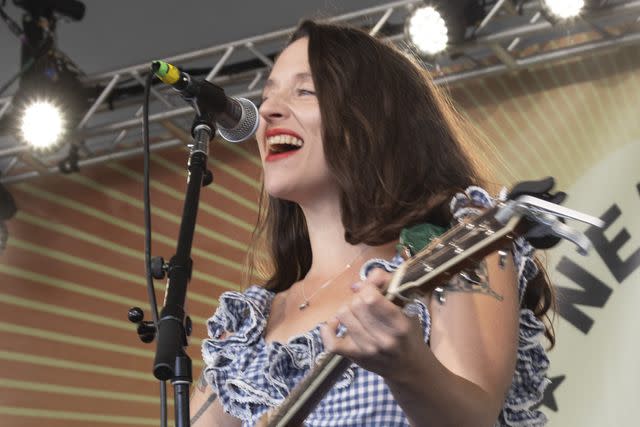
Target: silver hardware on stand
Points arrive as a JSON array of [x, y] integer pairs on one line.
[[202, 137]]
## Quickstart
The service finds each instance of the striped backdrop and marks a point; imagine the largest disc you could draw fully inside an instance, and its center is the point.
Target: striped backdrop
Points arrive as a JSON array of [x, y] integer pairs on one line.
[[74, 262]]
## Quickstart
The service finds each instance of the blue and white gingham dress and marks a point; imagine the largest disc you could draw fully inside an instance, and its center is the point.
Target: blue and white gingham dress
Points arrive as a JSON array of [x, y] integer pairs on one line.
[[251, 376]]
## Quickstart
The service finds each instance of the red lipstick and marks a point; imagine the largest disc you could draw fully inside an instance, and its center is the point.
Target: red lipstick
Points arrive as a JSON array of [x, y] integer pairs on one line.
[[277, 156]]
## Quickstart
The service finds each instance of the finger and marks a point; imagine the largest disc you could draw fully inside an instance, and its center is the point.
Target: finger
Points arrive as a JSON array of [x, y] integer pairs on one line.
[[372, 304], [379, 277], [357, 341], [363, 335], [383, 320], [333, 343]]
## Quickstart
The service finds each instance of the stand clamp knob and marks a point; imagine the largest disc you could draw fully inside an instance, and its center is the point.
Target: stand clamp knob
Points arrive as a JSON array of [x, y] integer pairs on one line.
[[146, 329], [159, 268]]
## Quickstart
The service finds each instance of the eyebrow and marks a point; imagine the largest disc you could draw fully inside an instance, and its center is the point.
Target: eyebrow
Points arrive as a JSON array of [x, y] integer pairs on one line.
[[299, 76]]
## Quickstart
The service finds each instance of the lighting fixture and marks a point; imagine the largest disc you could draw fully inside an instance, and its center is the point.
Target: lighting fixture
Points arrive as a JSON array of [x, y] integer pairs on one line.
[[42, 125], [427, 30], [564, 9], [439, 24]]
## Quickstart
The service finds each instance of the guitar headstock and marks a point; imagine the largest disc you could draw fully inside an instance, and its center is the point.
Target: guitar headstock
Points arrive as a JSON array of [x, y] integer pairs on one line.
[[475, 237]]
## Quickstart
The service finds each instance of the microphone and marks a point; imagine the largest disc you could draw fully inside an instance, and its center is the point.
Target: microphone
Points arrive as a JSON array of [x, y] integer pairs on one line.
[[236, 118]]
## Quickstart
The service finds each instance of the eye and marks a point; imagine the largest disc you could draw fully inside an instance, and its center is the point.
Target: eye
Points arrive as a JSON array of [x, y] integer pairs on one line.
[[306, 92]]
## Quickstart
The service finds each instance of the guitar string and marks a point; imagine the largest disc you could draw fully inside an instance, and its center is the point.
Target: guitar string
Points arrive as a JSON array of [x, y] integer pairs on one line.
[[417, 262]]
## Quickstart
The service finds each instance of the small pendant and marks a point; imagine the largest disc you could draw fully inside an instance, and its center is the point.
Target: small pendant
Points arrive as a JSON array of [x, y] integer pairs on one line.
[[303, 305]]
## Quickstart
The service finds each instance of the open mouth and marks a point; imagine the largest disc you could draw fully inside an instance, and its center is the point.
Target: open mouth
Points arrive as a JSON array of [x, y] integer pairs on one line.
[[283, 143]]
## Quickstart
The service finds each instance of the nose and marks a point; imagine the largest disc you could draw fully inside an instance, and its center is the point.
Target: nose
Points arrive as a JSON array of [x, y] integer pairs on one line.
[[274, 108]]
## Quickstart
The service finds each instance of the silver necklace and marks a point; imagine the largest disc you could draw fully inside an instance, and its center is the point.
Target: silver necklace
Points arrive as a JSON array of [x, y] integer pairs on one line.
[[307, 301]]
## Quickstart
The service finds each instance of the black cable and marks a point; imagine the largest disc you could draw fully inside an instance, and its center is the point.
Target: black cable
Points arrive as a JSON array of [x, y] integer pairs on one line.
[[147, 234]]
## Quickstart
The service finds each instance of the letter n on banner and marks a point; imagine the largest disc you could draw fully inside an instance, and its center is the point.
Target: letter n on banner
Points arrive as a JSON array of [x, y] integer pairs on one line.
[[594, 293]]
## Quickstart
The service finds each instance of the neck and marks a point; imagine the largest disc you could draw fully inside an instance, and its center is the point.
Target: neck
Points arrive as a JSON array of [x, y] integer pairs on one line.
[[326, 235]]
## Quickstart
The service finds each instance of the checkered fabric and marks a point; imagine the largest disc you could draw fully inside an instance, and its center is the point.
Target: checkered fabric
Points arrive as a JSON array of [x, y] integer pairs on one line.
[[251, 376]]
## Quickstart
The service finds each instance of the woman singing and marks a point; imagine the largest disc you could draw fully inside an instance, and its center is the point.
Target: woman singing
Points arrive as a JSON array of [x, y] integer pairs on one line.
[[360, 150]]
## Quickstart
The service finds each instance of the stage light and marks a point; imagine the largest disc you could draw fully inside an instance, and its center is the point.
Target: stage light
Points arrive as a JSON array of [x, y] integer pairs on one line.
[[51, 99], [50, 102], [442, 23], [427, 30], [564, 9], [42, 125]]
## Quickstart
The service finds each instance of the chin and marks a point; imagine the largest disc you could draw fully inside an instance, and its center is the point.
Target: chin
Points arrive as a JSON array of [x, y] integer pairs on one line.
[[284, 191], [301, 188]]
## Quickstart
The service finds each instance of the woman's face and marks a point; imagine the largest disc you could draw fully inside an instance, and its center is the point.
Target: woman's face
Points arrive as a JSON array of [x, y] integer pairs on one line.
[[289, 136]]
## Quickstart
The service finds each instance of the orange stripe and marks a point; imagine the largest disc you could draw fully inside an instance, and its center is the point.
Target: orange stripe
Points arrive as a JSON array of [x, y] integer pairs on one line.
[[63, 402], [70, 377], [18, 421]]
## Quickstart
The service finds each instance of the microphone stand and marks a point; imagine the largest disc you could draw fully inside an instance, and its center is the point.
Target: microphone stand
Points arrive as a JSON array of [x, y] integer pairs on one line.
[[171, 361]]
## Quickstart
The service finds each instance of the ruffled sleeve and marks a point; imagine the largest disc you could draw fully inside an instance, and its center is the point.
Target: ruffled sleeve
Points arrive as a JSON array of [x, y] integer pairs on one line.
[[234, 332], [529, 379], [249, 375]]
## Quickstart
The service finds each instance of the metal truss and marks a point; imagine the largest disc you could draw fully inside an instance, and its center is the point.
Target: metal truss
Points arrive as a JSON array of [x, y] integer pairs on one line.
[[502, 42]]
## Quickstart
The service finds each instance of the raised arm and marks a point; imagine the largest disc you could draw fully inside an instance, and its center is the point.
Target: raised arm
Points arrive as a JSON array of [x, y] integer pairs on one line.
[[462, 377], [475, 332], [473, 343]]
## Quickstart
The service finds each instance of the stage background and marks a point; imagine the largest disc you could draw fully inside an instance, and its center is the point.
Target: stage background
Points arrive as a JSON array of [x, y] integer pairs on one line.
[[74, 262]]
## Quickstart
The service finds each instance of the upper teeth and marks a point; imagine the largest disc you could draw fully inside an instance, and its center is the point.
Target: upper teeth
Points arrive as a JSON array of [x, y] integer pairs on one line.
[[284, 139]]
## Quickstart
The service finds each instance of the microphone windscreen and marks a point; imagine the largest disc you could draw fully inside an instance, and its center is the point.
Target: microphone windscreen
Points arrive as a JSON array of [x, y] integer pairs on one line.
[[247, 125]]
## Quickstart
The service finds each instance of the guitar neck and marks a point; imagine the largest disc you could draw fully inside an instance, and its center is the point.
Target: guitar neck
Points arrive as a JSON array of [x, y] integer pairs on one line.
[[309, 392]]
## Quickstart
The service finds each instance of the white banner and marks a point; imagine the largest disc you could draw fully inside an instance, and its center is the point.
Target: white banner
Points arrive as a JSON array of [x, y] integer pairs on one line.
[[595, 366]]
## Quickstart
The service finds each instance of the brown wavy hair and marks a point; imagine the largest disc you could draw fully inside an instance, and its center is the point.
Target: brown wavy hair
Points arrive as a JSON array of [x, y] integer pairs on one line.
[[394, 143]]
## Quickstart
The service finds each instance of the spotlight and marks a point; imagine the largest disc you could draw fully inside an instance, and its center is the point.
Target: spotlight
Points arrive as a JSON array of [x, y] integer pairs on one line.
[[442, 23], [427, 30], [50, 102], [51, 99], [563, 9], [42, 125]]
